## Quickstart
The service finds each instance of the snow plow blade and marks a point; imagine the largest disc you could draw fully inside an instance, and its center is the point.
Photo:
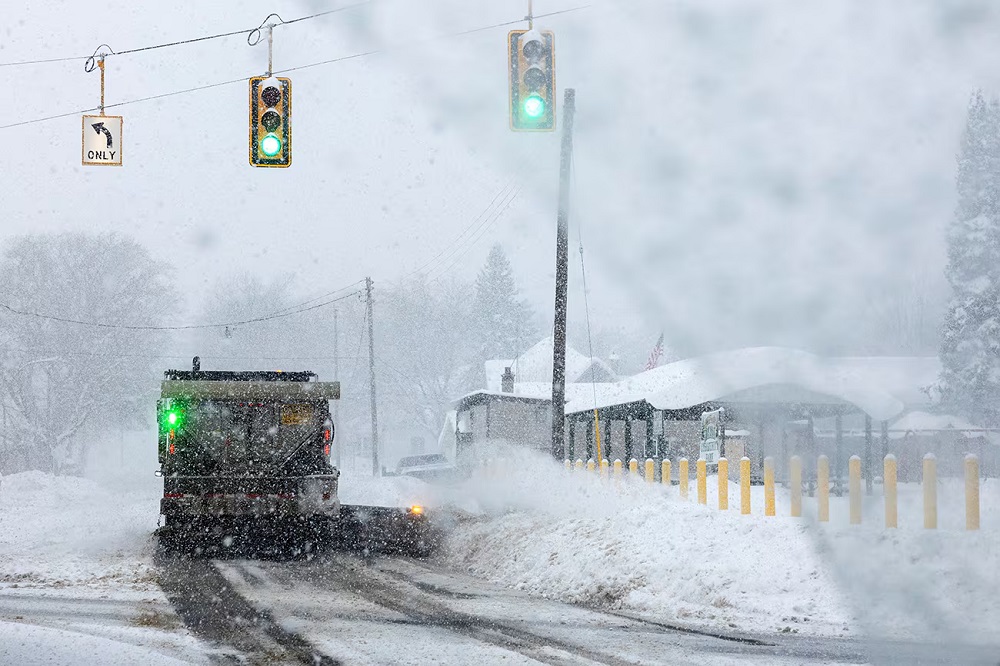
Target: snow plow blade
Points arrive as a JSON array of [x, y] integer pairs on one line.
[[386, 530]]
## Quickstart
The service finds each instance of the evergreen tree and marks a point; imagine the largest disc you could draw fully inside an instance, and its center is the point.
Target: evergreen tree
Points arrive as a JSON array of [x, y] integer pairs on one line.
[[505, 324], [970, 348]]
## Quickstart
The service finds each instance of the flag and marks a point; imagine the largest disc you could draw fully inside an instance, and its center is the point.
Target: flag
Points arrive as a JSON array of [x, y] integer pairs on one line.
[[654, 356]]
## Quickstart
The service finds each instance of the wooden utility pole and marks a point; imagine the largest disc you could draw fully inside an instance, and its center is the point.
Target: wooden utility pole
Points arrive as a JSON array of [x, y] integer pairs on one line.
[[371, 373], [562, 279]]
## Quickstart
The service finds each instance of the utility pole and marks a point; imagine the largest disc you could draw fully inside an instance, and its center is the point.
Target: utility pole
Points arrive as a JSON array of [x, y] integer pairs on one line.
[[371, 373], [562, 278], [336, 377]]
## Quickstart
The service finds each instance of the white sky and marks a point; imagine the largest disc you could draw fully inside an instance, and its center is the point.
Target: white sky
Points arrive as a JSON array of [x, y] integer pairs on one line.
[[758, 160]]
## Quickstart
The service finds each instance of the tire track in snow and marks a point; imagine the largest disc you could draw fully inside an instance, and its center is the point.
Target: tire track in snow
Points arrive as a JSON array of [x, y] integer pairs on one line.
[[213, 610]]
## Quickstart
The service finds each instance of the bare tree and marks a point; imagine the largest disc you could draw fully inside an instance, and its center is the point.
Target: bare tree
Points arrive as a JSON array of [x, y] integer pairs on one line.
[[58, 377]]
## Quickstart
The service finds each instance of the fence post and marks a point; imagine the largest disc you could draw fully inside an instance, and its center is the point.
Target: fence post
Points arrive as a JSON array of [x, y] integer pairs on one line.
[[769, 486], [823, 489], [617, 470], [745, 486], [683, 477], [633, 467], [579, 465], [665, 472], [590, 465], [795, 481], [889, 485], [702, 489], [930, 492], [723, 484], [650, 471], [854, 488], [568, 464], [604, 468], [971, 492]]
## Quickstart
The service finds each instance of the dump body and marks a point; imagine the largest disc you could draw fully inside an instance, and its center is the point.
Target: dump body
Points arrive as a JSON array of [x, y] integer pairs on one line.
[[246, 446]]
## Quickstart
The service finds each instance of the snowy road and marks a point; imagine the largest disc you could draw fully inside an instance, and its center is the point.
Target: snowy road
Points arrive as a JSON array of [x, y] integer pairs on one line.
[[340, 609]]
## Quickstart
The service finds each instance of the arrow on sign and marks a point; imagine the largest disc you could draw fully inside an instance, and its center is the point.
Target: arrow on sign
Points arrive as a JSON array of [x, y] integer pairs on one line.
[[99, 127]]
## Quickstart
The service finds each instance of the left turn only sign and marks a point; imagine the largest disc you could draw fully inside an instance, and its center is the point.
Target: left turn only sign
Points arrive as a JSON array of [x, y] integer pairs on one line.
[[102, 140]]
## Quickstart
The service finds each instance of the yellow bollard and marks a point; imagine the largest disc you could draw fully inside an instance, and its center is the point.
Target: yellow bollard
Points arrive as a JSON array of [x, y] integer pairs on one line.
[[889, 484], [823, 488], [854, 488], [723, 484], [971, 492], [702, 489], [567, 464], [617, 470], [683, 477], [650, 471], [745, 486], [591, 465], [665, 472], [795, 481], [930, 492], [769, 486], [604, 468], [633, 467], [579, 465]]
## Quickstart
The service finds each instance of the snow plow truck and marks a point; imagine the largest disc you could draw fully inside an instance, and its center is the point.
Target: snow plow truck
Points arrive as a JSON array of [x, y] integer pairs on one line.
[[245, 461]]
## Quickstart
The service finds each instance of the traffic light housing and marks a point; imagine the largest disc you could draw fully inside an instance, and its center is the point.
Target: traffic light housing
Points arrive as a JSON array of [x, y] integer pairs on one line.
[[270, 121], [532, 58]]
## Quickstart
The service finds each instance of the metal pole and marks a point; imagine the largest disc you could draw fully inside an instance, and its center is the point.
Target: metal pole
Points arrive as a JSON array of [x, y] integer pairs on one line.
[[371, 373], [336, 377], [868, 455], [562, 272]]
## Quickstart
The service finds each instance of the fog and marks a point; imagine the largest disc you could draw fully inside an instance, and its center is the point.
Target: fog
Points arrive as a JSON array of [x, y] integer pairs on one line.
[[745, 173]]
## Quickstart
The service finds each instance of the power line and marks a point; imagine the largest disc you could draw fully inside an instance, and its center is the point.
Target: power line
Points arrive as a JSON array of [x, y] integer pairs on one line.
[[280, 71], [458, 238], [326, 295], [91, 60], [142, 327], [472, 242]]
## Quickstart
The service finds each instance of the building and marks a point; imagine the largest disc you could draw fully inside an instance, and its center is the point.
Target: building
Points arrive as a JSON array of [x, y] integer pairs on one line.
[[781, 402]]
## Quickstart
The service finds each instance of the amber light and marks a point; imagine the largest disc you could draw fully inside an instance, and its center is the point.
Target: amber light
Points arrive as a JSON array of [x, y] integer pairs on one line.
[[416, 509]]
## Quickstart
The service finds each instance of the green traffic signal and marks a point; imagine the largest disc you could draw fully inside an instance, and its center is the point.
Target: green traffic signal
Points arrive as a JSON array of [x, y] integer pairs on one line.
[[534, 107], [172, 418], [270, 145]]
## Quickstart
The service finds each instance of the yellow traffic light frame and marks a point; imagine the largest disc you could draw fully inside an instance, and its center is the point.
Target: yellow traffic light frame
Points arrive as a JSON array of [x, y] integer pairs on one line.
[[516, 64], [257, 108]]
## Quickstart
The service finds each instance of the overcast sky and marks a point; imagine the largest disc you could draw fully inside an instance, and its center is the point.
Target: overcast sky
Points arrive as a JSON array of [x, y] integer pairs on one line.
[[743, 169]]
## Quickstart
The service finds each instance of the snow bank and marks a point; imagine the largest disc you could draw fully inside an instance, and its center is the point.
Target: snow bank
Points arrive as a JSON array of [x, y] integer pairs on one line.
[[58, 531], [641, 548]]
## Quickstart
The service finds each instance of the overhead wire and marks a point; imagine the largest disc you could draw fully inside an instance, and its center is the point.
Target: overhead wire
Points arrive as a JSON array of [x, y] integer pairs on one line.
[[150, 327], [464, 249], [279, 71], [90, 61]]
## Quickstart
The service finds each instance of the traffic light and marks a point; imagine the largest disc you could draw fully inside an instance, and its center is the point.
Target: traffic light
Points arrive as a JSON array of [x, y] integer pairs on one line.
[[532, 80], [270, 121]]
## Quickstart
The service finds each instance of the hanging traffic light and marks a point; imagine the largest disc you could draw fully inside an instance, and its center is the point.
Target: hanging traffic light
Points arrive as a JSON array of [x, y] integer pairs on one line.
[[532, 80], [270, 121]]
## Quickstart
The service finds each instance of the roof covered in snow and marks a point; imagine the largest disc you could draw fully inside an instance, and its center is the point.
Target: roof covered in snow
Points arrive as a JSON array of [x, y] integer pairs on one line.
[[535, 366], [924, 422], [882, 387], [714, 377]]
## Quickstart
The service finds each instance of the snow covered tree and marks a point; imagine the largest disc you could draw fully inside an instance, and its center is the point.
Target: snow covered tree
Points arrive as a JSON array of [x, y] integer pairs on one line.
[[58, 378], [970, 348], [504, 324]]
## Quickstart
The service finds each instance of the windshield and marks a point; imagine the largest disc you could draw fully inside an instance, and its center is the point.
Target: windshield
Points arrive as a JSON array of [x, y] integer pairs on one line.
[[241, 438]]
